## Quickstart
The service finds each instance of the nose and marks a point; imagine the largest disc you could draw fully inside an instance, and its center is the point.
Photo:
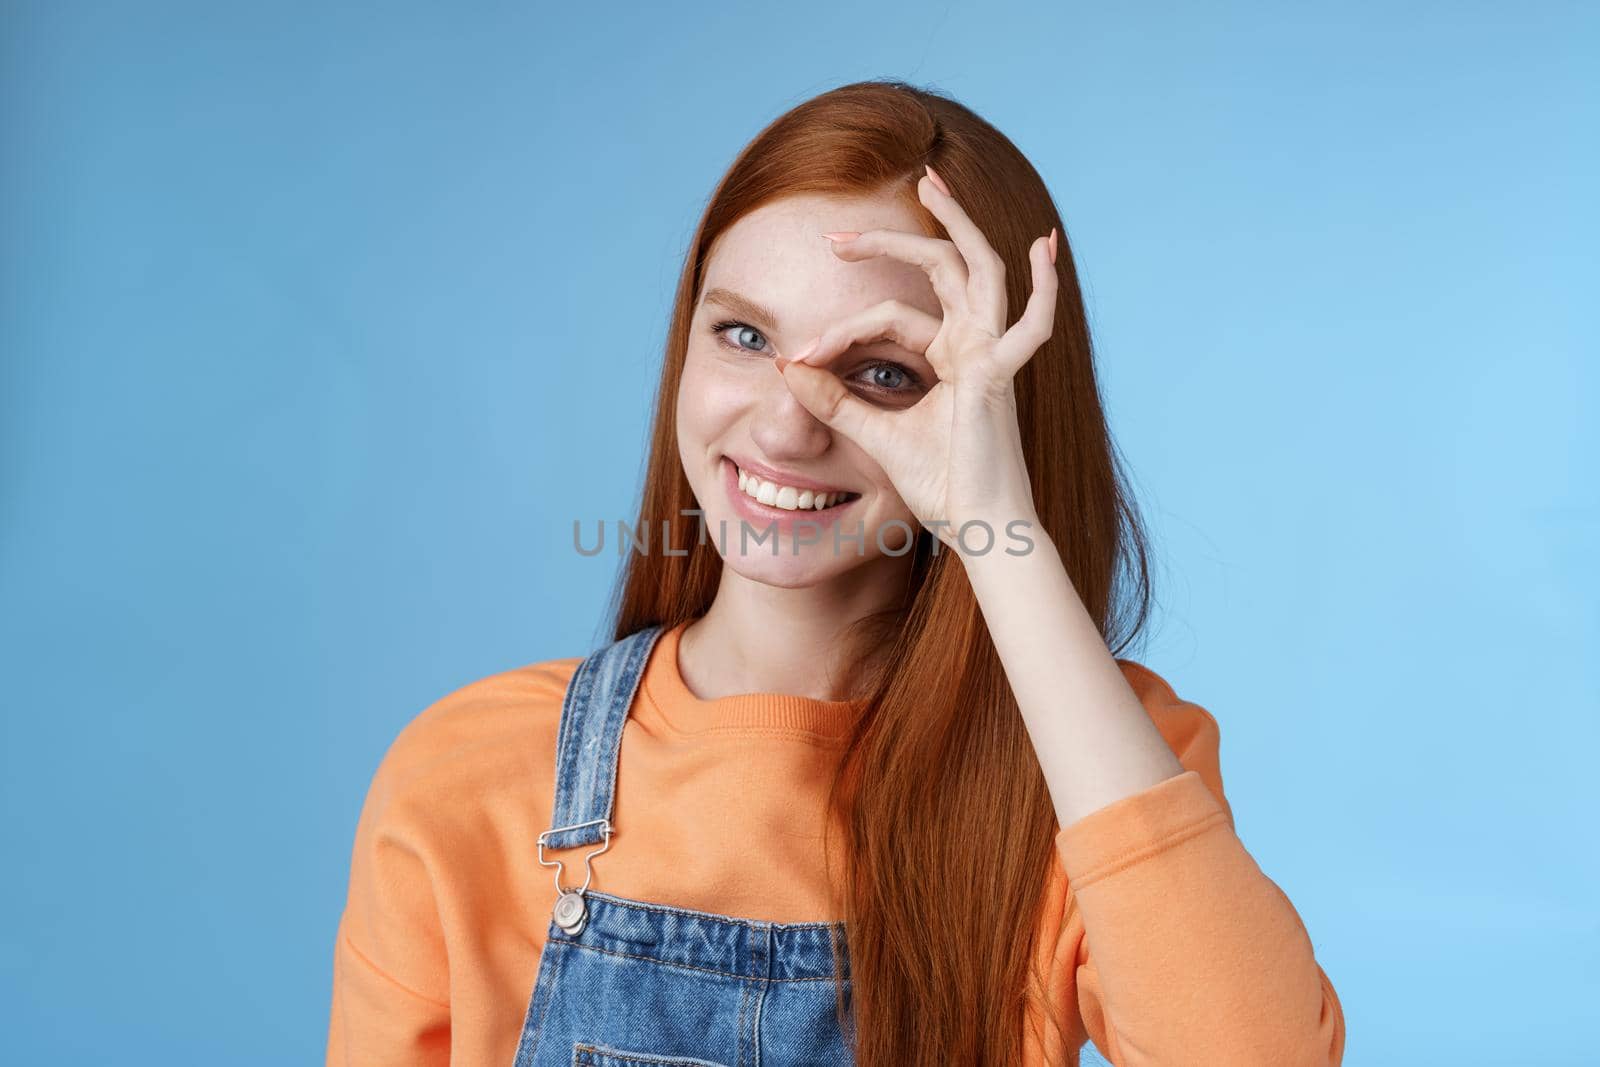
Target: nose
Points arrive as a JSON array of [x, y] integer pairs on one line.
[[782, 427]]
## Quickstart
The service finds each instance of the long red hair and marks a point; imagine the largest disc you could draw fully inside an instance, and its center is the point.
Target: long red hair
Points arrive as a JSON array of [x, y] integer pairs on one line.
[[951, 827]]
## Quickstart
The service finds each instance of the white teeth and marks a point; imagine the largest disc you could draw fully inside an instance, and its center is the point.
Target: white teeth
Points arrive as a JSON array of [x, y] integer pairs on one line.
[[786, 497]]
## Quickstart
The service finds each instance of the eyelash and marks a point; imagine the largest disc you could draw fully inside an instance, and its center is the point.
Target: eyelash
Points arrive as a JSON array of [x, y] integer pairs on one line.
[[721, 329]]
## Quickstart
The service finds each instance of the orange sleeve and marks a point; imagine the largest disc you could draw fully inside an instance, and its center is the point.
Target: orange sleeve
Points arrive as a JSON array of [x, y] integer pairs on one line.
[[1188, 952], [391, 996]]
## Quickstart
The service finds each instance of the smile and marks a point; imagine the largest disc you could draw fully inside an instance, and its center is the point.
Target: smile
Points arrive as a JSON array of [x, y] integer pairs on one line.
[[788, 497]]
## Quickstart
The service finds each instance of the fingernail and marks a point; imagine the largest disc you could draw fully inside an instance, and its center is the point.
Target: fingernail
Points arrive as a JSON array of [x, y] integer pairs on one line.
[[1052, 244], [842, 236], [800, 356], [933, 177]]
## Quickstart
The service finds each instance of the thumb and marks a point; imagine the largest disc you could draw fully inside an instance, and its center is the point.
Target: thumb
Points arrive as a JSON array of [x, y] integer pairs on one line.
[[825, 396]]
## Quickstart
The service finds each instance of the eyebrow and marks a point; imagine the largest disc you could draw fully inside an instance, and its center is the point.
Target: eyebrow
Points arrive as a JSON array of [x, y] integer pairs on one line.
[[744, 306]]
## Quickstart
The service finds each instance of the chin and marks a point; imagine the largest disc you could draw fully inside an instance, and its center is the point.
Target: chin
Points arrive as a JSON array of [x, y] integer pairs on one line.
[[787, 569], [794, 572]]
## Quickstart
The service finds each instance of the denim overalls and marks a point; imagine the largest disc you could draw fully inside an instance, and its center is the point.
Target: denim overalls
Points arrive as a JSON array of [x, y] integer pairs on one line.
[[629, 983]]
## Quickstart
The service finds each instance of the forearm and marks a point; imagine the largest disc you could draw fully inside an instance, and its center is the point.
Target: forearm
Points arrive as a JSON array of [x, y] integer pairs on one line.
[[1094, 740]]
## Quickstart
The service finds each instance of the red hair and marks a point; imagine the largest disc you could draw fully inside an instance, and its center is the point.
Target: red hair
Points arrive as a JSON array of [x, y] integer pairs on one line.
[[951, 827]]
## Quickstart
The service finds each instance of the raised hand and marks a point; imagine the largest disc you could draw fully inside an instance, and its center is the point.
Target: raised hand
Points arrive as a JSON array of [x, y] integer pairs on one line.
[[956, 455]]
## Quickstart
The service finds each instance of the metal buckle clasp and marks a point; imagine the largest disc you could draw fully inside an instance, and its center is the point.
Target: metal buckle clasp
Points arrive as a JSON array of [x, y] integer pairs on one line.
[[571, 913], [605, 828]]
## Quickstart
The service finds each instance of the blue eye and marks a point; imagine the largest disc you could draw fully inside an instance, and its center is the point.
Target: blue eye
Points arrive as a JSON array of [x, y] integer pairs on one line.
[[721, 330], [899, 378], [884, 377]]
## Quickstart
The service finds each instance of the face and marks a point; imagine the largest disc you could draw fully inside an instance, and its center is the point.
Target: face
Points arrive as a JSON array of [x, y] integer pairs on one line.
[[771, 285]]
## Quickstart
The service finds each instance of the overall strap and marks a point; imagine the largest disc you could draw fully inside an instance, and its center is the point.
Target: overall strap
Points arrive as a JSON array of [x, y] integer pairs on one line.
[[590, 739]]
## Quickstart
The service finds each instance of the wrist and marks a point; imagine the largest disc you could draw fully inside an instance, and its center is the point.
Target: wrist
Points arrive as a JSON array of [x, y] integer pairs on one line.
[[1004, 532]]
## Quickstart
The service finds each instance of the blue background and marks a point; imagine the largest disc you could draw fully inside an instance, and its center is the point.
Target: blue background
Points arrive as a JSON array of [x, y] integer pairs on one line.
[[320, 324]]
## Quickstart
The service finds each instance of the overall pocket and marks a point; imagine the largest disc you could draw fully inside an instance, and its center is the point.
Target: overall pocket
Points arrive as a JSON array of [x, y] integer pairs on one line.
[[585, 1054]]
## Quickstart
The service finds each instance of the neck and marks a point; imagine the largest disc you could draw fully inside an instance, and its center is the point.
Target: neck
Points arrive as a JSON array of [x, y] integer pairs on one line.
[[758, 638]]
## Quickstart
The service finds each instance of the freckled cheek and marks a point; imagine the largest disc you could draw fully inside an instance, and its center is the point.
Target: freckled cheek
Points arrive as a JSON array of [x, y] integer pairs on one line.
[[709, 402], [894, 507], [889, 505], [869, 473]]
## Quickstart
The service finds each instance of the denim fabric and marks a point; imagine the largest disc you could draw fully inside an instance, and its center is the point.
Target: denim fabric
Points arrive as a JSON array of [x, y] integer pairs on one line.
[[643, 984]]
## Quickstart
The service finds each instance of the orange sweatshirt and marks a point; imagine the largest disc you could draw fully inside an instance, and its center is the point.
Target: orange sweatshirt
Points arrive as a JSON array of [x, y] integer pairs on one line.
[[1163, 940]]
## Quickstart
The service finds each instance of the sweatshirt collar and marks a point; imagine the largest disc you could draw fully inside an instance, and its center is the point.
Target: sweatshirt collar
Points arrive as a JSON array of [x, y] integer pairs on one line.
[[756, 713]]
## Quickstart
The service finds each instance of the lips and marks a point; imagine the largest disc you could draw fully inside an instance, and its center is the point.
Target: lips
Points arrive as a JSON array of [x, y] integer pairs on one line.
[[788, 497], [768, 498]]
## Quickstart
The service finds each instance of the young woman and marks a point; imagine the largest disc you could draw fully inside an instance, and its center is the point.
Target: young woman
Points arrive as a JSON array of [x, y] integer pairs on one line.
[[860, 778]]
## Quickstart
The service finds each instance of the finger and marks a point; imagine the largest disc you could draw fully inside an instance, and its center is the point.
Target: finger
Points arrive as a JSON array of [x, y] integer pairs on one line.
[[936, 256], [836, 407], [890, 320], [986, 271], [1031, 331]]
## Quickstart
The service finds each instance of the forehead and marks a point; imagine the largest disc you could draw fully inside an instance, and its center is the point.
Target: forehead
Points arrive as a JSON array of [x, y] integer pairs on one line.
[[776, 256]]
